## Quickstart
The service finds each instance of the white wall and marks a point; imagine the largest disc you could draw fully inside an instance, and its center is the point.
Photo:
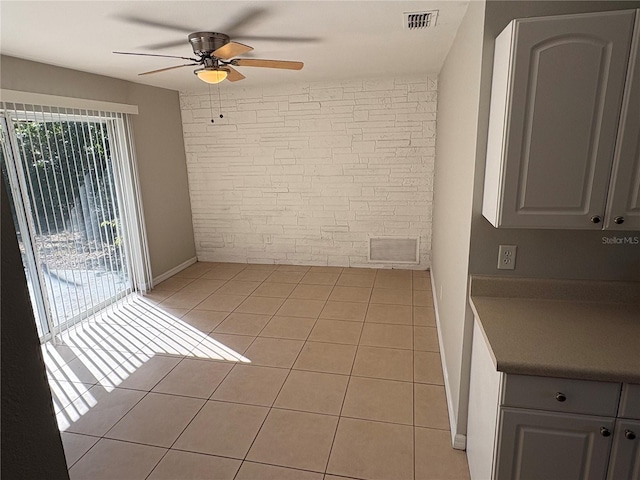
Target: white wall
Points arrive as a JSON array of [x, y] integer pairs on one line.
[[458, 109], [306, 173]]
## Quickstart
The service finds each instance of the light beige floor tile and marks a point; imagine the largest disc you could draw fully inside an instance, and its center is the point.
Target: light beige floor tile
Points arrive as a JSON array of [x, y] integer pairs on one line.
[[63, 393], [253, 275], [385, 363], [237, 287], [196, 270], [260, 471], [285, 276], [425, 339], [203, 320], [424, 316], [336, 331], [372, 450], [427, 368], [243, 324], [295, 328], [391, 296], [221, 303], [366, 272], [351, 311], [156, 296], [422, 283], [294, 268], [227, 342], [312, 292], [76, 445], [181, 465], [351, 280], [184, 299], [294, 439], [435, 459], [173, 312], [150, 372], [422, 298], [430, 406], [320, 278], [203, 285], [313, 392], [326, 269], [87, 369], [383, 400], [341, 477], [278, 290], [293, 307], [396, 314], [97, 412], [274, 352], [222, 273], [157, 420], [225, 429], [134, 462], [260, 305], [385, 335], [251, 384], [387, 280], [173, 284], [194, 378], [262, 266], [350, 294], [326, 357]]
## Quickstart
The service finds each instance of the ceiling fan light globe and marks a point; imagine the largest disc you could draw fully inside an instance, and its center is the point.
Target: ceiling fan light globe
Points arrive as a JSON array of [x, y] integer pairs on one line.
[[211, 76]]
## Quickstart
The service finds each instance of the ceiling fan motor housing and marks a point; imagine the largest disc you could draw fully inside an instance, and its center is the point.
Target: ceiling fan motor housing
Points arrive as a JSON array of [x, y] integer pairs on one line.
[[203, 43]]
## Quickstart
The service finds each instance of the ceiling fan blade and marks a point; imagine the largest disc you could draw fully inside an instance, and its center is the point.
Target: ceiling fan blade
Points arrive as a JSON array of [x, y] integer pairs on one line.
[[231, 49], [155, 55], [269, 38], [248, 17], [153, 23], [163, 45], [233, 75], [255, 62], [168, 68]]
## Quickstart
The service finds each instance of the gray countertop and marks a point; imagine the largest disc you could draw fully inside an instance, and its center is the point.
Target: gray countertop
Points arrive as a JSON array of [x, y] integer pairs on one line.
[[560, 328]]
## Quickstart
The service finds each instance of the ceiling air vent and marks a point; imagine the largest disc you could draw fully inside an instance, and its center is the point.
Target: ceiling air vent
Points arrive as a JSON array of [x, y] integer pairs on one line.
[[393, 250], [420, 20]]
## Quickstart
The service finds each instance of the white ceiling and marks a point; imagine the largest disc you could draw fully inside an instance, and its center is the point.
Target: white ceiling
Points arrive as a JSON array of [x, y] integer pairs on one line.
[[349, 39]]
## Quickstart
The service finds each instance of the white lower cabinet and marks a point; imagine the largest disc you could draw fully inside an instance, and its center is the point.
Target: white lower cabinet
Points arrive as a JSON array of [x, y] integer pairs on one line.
[[523, 427], [552, 446]]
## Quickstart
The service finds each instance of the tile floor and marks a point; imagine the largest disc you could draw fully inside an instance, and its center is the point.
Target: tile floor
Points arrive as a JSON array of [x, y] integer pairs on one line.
[[229, 371]]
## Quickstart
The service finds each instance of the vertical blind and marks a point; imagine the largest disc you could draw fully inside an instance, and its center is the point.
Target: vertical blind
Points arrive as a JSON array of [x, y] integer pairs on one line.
[[74, 184]]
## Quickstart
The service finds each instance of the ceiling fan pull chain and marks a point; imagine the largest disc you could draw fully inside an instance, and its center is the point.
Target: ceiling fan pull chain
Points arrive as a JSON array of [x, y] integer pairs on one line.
[[211, 104], [219, 102]]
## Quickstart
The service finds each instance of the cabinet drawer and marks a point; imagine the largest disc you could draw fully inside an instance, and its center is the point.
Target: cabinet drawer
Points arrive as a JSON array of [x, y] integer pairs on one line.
[[630, 401], [561, 395]]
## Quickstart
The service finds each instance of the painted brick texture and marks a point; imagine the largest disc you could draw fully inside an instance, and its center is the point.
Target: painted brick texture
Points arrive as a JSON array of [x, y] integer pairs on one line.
[[307, 173]]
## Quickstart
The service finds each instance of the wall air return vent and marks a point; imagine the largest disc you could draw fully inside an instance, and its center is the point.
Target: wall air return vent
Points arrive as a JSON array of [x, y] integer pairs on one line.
[[394, 250], [420, 20]]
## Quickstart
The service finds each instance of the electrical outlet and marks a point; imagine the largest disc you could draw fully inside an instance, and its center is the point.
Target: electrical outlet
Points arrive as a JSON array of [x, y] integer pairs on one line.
[[507, 257]]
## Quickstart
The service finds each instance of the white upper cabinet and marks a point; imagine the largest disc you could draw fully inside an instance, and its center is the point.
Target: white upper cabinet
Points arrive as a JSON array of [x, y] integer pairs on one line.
[[557, 96], [623, 209]]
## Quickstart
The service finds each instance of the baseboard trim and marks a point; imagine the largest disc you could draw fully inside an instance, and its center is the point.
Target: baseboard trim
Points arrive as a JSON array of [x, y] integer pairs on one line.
[[458, 441], [173, 271]]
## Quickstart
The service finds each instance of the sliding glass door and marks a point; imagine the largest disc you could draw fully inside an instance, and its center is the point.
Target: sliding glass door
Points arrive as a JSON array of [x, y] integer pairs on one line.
[[71, 189]]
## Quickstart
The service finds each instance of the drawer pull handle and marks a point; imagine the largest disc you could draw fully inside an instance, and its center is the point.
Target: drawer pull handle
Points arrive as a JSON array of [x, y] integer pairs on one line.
[[629, 435], [561, 397], [605, 432], [596, 219]]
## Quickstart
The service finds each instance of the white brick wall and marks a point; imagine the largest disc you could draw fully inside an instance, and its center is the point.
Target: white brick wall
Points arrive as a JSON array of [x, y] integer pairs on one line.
[[307, 173]]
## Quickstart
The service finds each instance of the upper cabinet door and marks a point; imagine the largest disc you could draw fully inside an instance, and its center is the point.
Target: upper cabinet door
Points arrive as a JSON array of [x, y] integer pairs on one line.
[[556, 97], [623, 210]]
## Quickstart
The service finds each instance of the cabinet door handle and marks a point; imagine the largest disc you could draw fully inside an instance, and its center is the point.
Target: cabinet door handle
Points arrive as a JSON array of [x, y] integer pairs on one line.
[[629, 435], [561, 397], [595, 219], [618, 220], [605, 432]]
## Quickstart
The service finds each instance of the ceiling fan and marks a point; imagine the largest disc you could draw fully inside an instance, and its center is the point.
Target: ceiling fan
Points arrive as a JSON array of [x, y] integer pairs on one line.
[[216, 52]]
